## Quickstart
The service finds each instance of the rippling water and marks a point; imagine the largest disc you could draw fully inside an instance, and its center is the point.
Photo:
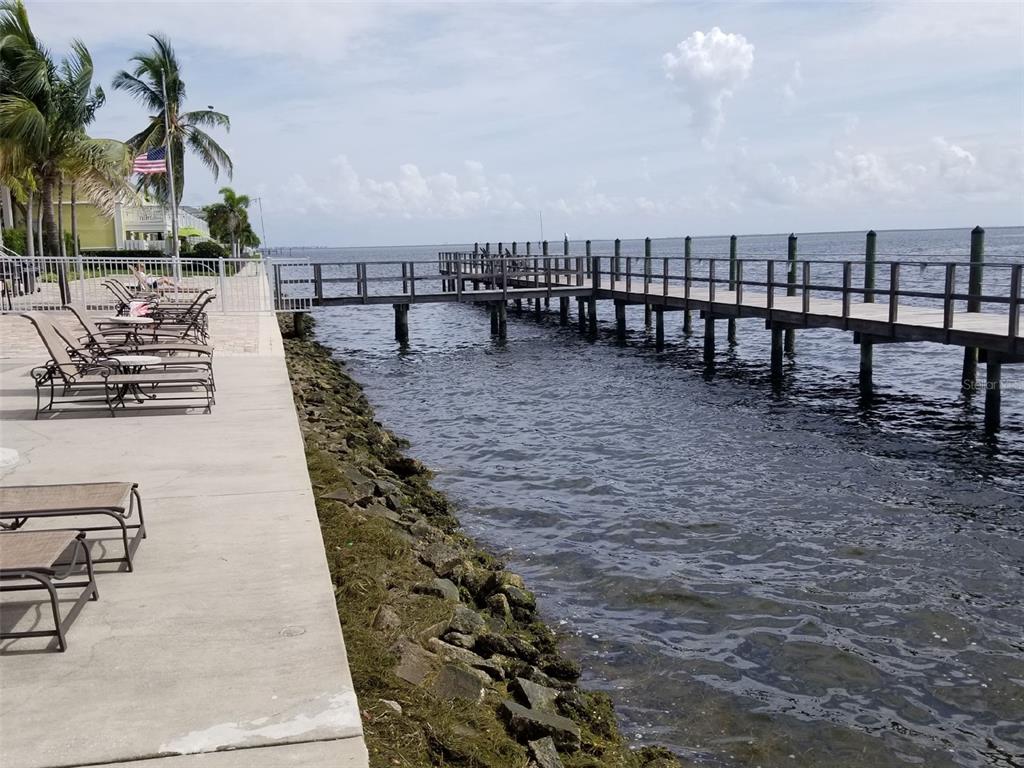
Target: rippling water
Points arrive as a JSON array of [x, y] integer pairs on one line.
[[758, 578]]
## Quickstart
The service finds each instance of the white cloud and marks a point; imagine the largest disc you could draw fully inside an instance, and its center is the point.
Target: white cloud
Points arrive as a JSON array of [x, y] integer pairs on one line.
[[955, 162], [708, 68], [410, 195], [320, 32], [919, 176], [791, 88]]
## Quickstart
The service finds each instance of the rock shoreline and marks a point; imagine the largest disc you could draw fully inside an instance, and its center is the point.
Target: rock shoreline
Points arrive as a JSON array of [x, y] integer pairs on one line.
[[450, 659]]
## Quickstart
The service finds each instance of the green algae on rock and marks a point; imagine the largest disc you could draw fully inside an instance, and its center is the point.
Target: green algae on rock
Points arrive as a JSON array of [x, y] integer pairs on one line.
[[442, 641]]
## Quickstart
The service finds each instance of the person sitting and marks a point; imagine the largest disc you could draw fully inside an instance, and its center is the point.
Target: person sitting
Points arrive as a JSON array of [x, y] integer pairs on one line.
[[152, 282]]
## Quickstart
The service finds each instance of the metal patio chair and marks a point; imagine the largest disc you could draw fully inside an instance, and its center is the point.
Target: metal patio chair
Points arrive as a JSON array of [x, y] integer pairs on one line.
[[67, 378], [118, 339], [120, 502], [35, 556]]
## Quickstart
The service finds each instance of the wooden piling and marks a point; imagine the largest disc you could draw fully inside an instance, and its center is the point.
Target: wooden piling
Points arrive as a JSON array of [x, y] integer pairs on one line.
[[867, 348], [299, 325], [594, 265], [536, 309], [993, 391], [659, 328], [402, 323], [731, 333], [502, 320], [790, 340], [647, 282], [620, 319], [563, 310], [870, 241], [494, 317], [777, 353], [565, 256], [969, 379], [866, 378], [581, 313], [687, 266], [709, 337]]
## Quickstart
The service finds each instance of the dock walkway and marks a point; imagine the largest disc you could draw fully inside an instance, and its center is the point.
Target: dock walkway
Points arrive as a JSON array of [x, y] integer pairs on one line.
[[223, 648], [973, 305]]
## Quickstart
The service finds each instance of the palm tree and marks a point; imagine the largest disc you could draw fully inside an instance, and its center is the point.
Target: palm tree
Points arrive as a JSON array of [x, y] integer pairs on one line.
[[146, 83], [229, 220], [44, 108]]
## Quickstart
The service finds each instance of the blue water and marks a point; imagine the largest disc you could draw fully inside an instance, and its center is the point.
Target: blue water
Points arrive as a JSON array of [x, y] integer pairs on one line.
[[757, 576]]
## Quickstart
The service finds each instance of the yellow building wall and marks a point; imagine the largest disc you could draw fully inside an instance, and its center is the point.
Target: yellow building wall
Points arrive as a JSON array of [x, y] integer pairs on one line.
[[94, 229]]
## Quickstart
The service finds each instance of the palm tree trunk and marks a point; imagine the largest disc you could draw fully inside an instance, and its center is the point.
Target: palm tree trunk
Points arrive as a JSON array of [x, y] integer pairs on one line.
[[60, 218], [30, 238], [40, 248], [51, 241], [7, 203], [74, 221], [6, 214]]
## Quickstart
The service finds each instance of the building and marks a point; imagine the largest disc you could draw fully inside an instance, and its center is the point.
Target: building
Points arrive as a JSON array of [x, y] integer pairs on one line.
[[142, 227]]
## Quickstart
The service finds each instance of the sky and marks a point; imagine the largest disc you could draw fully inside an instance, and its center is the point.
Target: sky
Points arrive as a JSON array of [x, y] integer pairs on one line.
[[416, 123]]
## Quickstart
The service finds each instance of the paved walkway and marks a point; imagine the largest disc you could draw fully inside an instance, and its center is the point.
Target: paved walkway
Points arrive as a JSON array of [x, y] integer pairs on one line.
[[226, 637]]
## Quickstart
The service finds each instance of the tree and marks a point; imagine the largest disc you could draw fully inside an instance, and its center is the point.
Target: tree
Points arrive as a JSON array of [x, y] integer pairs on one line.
[[146, 83], [229, 221], [44, 109]]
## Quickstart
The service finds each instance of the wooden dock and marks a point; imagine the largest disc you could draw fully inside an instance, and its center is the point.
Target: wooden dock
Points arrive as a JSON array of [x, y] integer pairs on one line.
[[977, 308]]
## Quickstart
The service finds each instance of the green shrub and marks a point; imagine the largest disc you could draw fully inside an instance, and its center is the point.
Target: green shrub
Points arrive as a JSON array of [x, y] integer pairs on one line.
[[16, 240], [208, 250]]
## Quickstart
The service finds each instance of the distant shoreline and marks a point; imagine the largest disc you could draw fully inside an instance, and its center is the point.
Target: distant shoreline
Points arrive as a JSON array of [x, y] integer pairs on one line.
[[967, 228]]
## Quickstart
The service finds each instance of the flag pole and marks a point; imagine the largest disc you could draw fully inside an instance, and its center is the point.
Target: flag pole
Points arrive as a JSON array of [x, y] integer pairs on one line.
[[175, 255]]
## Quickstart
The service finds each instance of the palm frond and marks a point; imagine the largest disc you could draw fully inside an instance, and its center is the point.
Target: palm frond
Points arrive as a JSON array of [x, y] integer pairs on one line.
[[22, 123], [27, 65], [141, 90], [150, 137], [206, 117], [209, 151]]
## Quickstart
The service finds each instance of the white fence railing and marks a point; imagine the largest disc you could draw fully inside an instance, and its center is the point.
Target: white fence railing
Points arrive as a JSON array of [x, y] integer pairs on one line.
[[291, 281], [240, 285]]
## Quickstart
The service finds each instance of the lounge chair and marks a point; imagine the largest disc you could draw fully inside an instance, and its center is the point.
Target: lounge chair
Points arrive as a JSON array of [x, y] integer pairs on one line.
[[187, 318], [124, 296], [117, 339], [188, 324], [128, 293], [170, 357], [66, 377], [120, 502], [36, 556]]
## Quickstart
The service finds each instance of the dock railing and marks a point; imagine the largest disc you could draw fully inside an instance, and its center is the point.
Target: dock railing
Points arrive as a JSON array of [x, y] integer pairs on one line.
[[950, 288]]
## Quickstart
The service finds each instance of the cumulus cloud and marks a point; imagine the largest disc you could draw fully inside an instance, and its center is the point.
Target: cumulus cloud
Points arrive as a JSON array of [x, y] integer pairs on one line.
[[791, 88], [409, 195], [935, 171], [707, 69], [955, 162]]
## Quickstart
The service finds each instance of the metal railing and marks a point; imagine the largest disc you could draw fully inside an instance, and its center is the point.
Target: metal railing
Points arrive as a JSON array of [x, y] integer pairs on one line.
[[41, 283]]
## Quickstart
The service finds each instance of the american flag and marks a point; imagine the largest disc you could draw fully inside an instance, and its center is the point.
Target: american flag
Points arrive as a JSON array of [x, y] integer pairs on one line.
[[154, 161]]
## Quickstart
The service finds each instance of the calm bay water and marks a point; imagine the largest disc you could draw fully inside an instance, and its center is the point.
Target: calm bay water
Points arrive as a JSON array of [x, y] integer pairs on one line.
[[757, 578]]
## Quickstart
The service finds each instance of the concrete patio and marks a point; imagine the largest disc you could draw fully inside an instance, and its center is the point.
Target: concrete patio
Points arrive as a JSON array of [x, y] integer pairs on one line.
[[223, 648]]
